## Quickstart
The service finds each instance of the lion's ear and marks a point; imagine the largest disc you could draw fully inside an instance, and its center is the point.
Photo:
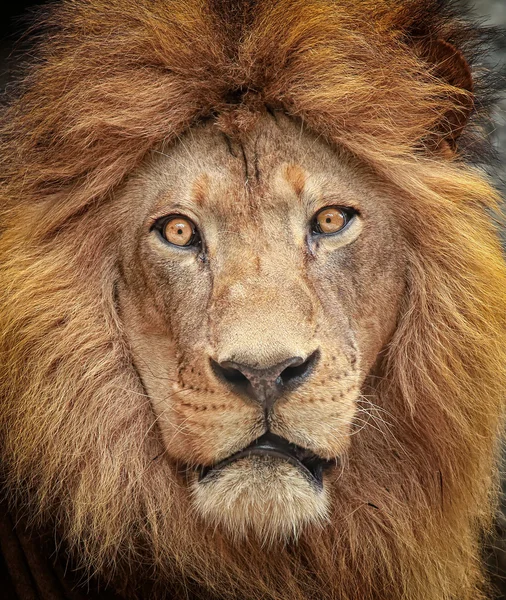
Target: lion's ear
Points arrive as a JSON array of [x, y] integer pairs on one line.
[[450, 66]]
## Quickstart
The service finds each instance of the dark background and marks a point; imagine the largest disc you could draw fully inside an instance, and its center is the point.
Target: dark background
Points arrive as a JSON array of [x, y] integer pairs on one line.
[[15, 18], [12, 24]]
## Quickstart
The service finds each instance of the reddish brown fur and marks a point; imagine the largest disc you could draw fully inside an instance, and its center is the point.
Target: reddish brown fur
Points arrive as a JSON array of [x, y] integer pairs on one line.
[[113, 80], [295, 175]]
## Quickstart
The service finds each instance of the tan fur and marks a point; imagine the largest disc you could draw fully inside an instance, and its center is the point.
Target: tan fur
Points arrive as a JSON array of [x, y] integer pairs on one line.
[[90, 154], [262, 288], [269, 500]]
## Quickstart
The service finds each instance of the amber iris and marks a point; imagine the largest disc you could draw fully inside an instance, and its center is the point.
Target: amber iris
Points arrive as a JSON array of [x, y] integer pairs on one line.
[[179, 231], [330, 220]]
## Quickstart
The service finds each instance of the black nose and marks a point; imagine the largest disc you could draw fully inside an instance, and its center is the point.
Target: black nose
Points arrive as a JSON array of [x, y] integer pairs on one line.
[[265, 385]]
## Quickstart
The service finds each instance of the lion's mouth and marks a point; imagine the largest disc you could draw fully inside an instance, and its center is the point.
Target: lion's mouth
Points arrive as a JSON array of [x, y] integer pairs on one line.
[[271, 445]]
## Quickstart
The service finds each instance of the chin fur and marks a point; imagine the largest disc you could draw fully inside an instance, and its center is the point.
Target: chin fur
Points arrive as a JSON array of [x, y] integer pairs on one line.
[[261, 496]]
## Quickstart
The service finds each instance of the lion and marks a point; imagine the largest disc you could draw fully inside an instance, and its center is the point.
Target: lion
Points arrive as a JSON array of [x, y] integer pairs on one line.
[[253, 303]]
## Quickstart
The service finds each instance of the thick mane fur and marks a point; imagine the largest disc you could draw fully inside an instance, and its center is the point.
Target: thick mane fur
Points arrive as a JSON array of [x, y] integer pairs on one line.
[[114, 79]]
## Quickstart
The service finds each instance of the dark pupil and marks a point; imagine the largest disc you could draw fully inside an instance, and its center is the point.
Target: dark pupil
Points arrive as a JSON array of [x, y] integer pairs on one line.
[[328, 219], [180, 231]]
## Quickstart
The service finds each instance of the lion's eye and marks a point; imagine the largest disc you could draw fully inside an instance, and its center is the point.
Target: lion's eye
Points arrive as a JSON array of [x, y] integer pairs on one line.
[[331, 219], [179, 230]]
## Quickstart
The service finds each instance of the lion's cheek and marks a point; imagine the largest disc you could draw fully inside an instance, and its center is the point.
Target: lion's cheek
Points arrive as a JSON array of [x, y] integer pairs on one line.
[[201, 431], [321, 425]]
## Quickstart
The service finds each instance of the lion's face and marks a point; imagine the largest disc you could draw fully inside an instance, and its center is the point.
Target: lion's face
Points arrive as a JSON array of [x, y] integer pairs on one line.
[[260, 280], [293, 335]]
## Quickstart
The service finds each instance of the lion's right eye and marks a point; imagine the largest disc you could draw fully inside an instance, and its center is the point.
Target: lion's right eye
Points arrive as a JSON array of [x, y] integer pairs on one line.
[[332, 219], [178, 230]]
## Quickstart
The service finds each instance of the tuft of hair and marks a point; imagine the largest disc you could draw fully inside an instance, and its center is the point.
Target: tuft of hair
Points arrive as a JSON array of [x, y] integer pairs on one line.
[[245, 500], [111, 80]]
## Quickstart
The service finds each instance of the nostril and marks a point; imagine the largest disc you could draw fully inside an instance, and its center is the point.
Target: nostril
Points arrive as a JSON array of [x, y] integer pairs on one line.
[[233, 375], [298, 371], [230, 374]]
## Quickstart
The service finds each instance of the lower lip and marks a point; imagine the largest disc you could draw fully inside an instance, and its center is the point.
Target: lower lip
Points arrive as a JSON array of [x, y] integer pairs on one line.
[[314, 475]]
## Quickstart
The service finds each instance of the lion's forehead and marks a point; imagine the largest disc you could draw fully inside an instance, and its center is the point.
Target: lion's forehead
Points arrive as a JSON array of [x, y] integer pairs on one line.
[[276, 168]]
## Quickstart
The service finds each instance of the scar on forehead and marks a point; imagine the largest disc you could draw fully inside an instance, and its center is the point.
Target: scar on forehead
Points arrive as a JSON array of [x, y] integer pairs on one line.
[[200, 188], [296, 177]]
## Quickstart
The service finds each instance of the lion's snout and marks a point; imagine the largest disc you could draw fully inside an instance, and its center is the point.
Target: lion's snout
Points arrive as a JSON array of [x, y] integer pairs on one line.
[[267, 384]]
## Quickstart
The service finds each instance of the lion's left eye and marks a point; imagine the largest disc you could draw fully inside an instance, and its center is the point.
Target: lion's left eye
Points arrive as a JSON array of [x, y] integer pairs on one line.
[[178, 230], [331, 219]]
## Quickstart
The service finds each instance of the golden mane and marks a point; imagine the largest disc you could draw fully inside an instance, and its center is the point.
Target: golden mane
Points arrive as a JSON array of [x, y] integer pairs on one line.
[[112, 80]]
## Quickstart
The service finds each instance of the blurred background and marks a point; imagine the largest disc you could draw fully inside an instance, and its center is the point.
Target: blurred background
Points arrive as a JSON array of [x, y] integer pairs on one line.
[[493, 12], [489, 12]]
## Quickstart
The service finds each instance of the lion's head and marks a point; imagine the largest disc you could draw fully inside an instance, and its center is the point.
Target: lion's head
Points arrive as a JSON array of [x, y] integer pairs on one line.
[[259, 280], [252, 325]]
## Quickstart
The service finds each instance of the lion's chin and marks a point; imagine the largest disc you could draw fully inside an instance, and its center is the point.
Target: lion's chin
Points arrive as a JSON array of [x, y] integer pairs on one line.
[[261, 496]]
